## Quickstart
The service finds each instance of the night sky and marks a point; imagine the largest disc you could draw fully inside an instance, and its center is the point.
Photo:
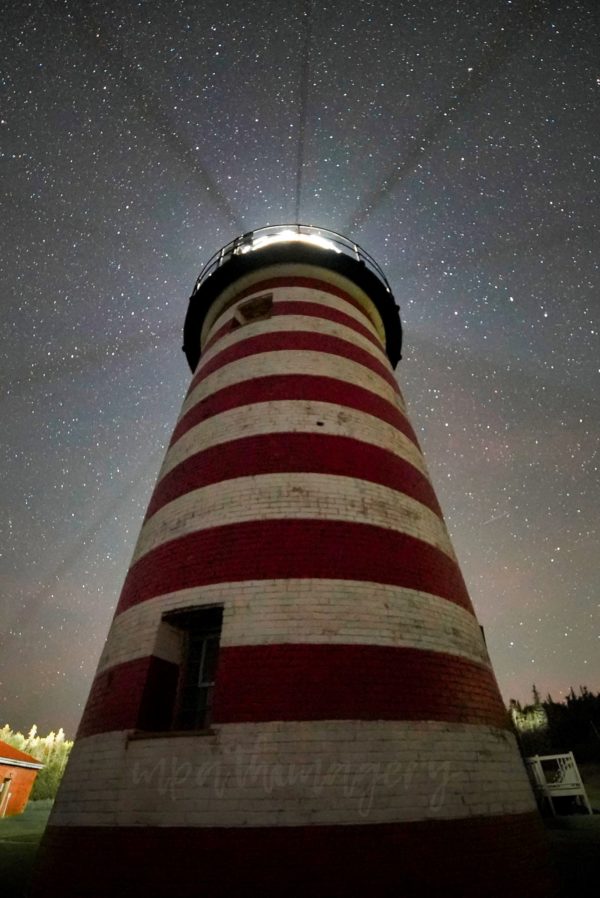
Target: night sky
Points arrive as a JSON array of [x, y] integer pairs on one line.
[[458, 142]]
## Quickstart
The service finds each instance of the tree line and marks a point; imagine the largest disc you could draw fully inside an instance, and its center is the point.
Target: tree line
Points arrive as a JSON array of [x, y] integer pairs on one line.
[[52, 751], [548, 727]]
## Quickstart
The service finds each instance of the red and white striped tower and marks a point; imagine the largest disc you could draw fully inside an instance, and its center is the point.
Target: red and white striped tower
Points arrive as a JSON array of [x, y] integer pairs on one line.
[[295, 696]]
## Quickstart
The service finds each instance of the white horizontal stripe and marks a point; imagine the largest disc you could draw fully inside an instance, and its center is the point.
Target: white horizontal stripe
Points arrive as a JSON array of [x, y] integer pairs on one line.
[[315, 611], [230, 294], [292, 361], [295, 774], [286, 496], [300, 294], [289, 324], [292, 415]]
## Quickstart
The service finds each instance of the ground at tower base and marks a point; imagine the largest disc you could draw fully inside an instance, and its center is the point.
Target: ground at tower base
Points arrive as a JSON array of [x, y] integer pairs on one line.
[[574, 845]]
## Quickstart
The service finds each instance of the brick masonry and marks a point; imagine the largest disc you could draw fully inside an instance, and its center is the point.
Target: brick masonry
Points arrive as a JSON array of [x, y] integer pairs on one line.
[[289, 361], [314, 682], [295, 379], [469, 859], [295, 318], [345, 612], [296, 341], [291, 305], [359, 744], [293, 416], [348, 299], [291, 496], [270, 453], [306, 548], [314, 772]]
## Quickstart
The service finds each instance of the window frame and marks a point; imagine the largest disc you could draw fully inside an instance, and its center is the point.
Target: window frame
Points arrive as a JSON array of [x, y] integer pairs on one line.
[[189, 621]]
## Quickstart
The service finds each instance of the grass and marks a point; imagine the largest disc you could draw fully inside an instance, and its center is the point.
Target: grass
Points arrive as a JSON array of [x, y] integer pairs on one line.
[[19, 840], [590, 774], [575, 841], [575, 848]]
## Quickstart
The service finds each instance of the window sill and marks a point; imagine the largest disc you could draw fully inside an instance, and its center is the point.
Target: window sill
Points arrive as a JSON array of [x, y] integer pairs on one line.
[[139, 735]]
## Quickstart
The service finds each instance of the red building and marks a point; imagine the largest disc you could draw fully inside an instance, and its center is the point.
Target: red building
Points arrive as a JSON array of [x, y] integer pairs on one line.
[[295, 697], [18, 771]]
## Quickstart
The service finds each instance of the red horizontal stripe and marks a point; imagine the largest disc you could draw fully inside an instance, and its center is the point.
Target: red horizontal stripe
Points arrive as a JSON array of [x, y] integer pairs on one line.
[[310, 310], [115, 698], [137, 694], [286, 341], [280, 549], [307, 283], [311, 387], [353, 682], [495, 857], [293, 452], [306, 682]]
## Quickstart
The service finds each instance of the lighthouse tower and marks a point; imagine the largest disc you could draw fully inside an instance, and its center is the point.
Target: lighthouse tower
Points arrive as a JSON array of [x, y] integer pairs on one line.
[[295, 697]]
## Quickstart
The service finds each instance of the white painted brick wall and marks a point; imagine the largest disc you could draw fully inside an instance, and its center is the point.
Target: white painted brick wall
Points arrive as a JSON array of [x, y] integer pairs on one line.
[[343, 612], [292, 496], [229, 295], [300, 294], [292, 361], [294, 774], [284, 324], [290, 415]]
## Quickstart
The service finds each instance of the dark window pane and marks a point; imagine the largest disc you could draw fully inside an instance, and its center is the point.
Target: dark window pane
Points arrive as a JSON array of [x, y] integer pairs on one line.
[[202, 629], [209, 661]]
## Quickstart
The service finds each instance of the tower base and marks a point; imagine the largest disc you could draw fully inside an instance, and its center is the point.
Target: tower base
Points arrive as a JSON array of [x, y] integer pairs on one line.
[[332, 861]]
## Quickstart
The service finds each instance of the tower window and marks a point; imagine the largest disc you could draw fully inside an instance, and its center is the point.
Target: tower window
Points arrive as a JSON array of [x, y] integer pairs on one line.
[[199, 633], [255, 309]]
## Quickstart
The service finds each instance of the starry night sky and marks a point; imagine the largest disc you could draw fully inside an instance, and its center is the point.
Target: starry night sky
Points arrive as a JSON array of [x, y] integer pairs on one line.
[[458, 142]]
